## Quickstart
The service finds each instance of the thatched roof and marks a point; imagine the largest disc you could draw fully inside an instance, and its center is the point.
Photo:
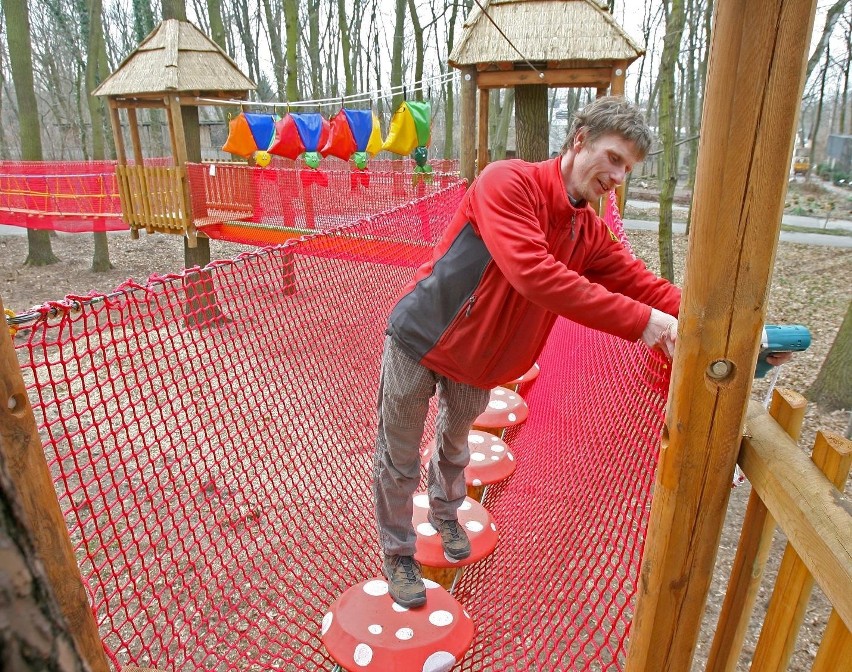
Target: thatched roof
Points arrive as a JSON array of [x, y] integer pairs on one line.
[[543, 30], [176, 57]]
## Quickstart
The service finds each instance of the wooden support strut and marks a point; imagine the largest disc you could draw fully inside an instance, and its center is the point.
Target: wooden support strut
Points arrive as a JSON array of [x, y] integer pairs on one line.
[[24, 455]]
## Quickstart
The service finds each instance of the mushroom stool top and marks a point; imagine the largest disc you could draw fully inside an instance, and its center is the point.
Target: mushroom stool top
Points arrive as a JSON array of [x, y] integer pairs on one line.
[[505, 409], [491, 461], [473, 517], [364, 629]]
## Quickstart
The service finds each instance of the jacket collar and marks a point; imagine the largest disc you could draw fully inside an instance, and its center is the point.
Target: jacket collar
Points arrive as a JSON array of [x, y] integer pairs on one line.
[[554, 187]]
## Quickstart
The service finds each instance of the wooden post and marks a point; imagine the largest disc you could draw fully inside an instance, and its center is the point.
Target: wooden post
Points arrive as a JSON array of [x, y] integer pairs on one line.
[[468, 124], [788, 409], [482, 151], [616, 88], [833, 456], [757, 64], [24, 456]]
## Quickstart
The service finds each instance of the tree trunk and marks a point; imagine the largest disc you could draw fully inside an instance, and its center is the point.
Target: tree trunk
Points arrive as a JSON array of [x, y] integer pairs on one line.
[[316, 67], [450, 109], [531, 130], [100, 258], [217, 25], [39, 251], [345, 48], [396, 55], [500, 137], [418, 48], [831, 389], [668, 163], [291, 30], [815, 131], [33, 634], [831, 17]]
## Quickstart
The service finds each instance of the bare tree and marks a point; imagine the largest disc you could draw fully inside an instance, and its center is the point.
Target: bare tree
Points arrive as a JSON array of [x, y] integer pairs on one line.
[[675, 18], [16, 13], [831, 389]]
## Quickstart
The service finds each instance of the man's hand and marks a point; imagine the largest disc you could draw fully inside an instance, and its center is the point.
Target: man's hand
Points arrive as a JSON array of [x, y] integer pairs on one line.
[[661, 332], [779, 358]]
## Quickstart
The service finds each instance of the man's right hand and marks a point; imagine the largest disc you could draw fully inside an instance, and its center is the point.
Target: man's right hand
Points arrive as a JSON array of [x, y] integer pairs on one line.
[[661, 332]]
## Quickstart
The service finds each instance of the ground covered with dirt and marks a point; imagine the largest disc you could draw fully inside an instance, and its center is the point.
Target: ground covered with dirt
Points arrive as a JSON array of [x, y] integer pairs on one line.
[[811, 286]]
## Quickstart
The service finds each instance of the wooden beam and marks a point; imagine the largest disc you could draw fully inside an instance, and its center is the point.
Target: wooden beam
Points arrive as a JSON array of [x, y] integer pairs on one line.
[[467, 163], [24, 456], [482, 149], [836, 647], [757, 63], [575, 77], [118, 136], [619, 72], [794, 582], [805, 503]]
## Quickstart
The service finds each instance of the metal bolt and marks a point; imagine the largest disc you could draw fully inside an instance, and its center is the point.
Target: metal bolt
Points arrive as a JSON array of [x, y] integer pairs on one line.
[[719, 369]]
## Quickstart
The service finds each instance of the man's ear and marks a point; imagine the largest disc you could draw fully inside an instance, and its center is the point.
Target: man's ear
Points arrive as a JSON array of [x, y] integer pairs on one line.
[[580, 138]]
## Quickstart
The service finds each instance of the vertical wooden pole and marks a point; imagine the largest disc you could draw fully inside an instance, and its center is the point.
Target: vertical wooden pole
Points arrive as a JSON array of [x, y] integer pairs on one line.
[[115, 120], [757, 64], [482, 151], [24, 456], [788, 409], [835, 651], [616, 88], [133, 123], [468, 124]]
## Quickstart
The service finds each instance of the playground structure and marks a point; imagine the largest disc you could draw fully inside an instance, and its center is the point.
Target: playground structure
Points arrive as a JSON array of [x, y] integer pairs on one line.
[[171, 547]]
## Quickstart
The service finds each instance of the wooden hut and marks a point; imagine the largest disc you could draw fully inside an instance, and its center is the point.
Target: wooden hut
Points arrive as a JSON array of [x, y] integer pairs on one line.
[[172, 67], [532, 45]]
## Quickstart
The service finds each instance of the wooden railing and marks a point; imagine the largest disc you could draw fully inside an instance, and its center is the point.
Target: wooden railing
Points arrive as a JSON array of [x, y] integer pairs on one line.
[[153, 198], [804, 497]]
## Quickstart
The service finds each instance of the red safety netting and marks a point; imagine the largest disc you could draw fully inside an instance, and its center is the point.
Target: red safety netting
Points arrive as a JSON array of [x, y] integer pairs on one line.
[[264, 206], [70, 196], [211, 434]]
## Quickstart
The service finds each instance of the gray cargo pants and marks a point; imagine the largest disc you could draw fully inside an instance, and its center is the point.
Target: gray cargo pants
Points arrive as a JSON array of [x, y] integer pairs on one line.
[[405, 388]]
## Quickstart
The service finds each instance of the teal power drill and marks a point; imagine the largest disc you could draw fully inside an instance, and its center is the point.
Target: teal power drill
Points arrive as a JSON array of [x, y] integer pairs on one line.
[[780, 338]]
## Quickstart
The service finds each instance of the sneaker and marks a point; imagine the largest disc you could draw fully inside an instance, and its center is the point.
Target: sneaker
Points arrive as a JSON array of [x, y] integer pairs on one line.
[[405, 583], [453, 537]]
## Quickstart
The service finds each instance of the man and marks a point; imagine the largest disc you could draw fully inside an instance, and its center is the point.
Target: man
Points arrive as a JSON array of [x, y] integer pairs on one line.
[[523, 248]]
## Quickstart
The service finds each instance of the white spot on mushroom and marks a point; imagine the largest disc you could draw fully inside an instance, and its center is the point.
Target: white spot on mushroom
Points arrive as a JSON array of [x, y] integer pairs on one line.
[[430, 584], [440, 661], [375, 629], [476, 438], [441, 618], [326, 622], [512, 417], [426, 530], [363, 655], [476, 482], [422, 501], [376, 588], [465, 506], [474, 526], [404, 633], [398, 608], [477, 457], [498, 405]]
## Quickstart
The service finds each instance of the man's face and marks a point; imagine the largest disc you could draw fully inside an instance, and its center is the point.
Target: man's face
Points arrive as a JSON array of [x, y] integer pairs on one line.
[[599, 165]]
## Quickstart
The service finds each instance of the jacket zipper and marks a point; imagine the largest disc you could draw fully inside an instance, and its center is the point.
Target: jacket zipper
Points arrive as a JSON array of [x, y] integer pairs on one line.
[[573, 219], [470, 303]]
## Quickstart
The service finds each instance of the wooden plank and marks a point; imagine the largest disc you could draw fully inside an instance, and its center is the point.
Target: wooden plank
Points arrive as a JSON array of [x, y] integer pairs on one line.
[[835, 651], [794, 582], [805, 503], [482, 126], [573, 77], [24, 456], [757, 61], [118, 136], [788, 410]]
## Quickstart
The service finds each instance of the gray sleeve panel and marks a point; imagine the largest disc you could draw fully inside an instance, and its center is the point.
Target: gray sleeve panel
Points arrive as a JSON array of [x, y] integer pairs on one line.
[[422, 316]]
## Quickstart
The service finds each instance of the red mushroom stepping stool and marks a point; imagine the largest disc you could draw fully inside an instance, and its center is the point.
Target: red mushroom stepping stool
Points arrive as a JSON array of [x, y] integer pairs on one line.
[[491, 461], [530, 375], [477, 523], [505, 409], [365, 629]]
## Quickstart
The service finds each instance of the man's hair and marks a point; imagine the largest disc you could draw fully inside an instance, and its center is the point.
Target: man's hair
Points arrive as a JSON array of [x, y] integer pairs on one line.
[[611, 114]]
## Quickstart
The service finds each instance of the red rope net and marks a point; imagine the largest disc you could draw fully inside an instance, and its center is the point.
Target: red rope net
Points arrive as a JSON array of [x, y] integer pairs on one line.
[[211, 434]]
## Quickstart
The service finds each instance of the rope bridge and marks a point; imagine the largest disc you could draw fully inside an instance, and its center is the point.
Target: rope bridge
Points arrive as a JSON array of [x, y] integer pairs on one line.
[[216, 480]]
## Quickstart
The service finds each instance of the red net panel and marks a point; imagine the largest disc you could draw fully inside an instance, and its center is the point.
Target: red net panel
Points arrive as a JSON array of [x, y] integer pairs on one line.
[[264, 206], [211, 436], [70, 196]]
